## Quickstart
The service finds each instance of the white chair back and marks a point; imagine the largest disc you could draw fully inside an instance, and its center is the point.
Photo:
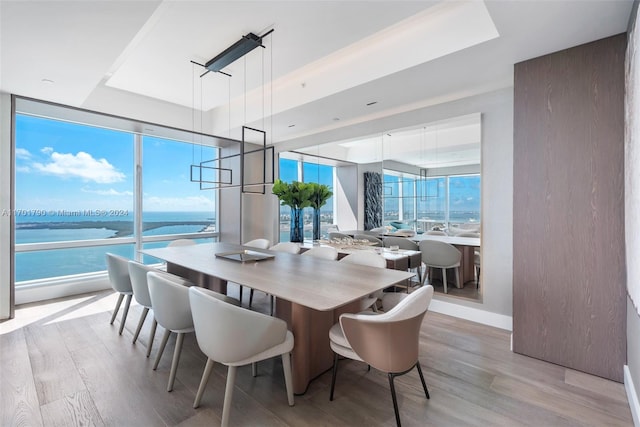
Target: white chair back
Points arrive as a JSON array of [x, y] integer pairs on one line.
[[170, 301], [118, 269], [138, 273], [324, 252], [289, 247], [368, 258], [400, 242], [258, 243], [439, 254], [219, 324]]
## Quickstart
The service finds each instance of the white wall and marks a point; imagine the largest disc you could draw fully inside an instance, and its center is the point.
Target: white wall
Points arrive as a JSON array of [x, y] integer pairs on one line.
[[5, 205]]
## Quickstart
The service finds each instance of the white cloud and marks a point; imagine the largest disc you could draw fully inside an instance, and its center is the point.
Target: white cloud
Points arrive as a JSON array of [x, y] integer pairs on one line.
[[109, 192], [22, 153], [81, 165], [23, 169], [46, 150]]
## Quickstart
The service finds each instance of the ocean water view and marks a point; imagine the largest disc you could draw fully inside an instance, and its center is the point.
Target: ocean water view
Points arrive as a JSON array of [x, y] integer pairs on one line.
[[60, 226]]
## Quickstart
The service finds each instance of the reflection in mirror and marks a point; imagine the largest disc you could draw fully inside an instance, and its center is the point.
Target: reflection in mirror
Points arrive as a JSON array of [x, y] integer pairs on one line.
[[430, 185]]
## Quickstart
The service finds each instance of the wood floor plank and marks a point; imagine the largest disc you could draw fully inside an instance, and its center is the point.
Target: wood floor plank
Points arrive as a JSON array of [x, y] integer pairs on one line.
[[77, 409], [54, 372], [19, 404]]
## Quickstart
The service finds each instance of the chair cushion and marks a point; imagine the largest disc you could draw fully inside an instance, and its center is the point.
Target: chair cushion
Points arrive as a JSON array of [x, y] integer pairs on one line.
[[337, 336], [400, 225]]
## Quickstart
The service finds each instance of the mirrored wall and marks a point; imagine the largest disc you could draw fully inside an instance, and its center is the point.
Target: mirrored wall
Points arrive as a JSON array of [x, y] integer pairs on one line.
[[431, 183]]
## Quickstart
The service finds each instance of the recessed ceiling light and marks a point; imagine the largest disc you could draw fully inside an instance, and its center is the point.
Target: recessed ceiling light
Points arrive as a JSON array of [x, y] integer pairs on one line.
[[47, 81], [290, 126], [335, 119], [371, 103]]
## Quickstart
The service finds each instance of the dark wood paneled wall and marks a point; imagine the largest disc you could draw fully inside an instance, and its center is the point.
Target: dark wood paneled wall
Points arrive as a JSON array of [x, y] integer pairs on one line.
[[568, 248]]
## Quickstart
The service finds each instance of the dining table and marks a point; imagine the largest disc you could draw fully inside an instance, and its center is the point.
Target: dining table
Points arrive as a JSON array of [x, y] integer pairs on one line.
[[311, 293], [466, 246]]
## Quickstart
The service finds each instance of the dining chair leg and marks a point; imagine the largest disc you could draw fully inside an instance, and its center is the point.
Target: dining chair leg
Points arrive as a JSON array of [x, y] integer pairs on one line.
[[208, 368], [163, 344], [240, 295], [288, 382], [250, 297], [228, 395], [393, 397], [143, 316], [272, 304], [115, 311], [152, 336], [444, 279], [424, 384], [333, 375], [254, 369], [457, 269], [176, 359], [127, 303]]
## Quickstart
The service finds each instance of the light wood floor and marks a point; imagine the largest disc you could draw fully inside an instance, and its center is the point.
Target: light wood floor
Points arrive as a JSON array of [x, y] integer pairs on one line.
[[62, 364]]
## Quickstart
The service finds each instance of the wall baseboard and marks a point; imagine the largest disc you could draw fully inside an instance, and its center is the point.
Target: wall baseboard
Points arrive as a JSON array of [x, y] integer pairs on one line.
[[473, 314], [61, 288], [632, 396]]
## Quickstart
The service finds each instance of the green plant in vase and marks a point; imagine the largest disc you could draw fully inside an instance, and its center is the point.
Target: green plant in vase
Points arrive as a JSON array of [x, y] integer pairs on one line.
[[296, 195], [321, 193]]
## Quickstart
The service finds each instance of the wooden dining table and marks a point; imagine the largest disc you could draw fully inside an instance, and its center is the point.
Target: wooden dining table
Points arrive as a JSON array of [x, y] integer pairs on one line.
[[311, 293]]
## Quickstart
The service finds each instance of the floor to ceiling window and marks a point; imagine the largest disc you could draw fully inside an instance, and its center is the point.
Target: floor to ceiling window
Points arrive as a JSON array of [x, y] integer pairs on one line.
[[76, 190], [427, 202]]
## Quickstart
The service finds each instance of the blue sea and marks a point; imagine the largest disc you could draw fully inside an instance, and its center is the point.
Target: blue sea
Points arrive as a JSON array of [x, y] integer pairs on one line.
[[62, 262]]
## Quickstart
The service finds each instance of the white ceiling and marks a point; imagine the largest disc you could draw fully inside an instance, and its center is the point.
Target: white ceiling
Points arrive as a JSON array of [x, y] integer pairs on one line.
[[322, 64]]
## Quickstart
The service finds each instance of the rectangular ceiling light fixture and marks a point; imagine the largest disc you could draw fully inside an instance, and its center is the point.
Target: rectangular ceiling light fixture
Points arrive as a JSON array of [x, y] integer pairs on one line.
[[237, 50]]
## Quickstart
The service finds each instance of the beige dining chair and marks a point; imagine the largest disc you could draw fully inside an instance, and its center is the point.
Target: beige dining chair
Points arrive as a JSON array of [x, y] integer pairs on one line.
[[372, 239], [258, 244], [218, 326], [118, 271], [288, 247], [324, 252], [138, 274], [436, 254], [370, 259], [388, 342]]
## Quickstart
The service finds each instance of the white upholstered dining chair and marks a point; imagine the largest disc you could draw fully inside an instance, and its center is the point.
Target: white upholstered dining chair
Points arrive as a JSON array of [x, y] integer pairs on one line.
[[258, 244], [288, 247], [324, 252], [218, 326], [118, 270], [436, 254], [170, 301], [138, 274], [371, 259]]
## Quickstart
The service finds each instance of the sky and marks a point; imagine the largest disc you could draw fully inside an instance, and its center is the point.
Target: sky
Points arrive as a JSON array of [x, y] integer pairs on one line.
[[66, 166]]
